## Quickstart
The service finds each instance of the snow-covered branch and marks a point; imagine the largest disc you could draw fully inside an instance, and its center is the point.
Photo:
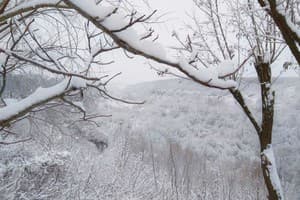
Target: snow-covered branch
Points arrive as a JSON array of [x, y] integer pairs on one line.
[[289, 31], [268, 159], [39, 97], [108, 20], [111, 20]]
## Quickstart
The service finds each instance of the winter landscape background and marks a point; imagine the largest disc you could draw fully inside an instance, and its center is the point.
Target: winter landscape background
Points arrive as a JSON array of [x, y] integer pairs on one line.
[[149, 100], [184, 142]]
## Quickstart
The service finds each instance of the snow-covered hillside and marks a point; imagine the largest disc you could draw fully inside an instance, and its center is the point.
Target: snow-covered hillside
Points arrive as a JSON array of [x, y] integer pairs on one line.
[[200, 118], [185, 142], [209, 122]]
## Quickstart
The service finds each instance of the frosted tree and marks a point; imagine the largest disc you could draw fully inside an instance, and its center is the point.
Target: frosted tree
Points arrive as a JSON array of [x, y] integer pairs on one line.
[[117, 25], [259, 43], [45, 42], [286, 15]]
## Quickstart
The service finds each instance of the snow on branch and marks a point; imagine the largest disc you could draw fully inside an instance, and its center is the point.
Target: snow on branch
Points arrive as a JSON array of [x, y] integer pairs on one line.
[[111, 21], [289, 22], [39, 97], [207, 75], [229, 67], [269, 160], [288, 29], [116, 24]]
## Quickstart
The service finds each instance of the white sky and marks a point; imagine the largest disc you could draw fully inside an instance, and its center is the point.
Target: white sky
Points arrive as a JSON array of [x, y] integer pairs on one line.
[[137, 70]]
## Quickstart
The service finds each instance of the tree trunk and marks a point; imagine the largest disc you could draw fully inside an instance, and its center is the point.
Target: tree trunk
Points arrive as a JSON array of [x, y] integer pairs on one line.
[[290, 36], [268, 165]]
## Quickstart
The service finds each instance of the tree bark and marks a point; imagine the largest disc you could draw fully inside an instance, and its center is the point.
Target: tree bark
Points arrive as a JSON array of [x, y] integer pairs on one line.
[[290, 36], [263, 70]]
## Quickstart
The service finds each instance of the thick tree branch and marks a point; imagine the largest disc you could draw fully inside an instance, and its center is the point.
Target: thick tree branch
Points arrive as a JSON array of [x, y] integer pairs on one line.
[[3, 5], [291, 38], [130, 48], [240, 99], [40, 97]]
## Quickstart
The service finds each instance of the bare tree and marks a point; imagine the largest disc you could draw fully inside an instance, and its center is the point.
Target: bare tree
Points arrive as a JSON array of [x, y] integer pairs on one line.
[[286, 16], [48, 39], [264, 46], [115, 22]]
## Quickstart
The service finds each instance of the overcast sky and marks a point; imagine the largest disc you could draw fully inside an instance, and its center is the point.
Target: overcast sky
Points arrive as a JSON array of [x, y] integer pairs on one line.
[[137, 70]]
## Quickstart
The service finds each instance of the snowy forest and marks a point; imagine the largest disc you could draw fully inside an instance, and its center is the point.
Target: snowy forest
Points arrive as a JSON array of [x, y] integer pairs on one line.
[[217, 120]]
